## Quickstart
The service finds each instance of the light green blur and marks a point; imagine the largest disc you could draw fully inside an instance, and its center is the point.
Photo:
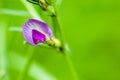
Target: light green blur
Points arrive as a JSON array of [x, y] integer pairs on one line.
[[92, 32]]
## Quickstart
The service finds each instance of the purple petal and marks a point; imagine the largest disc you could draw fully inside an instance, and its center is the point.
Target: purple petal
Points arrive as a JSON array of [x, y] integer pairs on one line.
[[42, 26], [35, 31], [38, 36], [27, 33]]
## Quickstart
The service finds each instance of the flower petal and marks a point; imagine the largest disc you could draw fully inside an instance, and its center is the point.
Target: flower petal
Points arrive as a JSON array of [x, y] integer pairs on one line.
[[38, 36], [27, 33], [43, 27], [35, 31]]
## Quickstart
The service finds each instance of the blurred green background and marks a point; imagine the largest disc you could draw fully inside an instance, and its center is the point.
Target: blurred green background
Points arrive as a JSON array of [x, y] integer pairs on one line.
[[91, 29]]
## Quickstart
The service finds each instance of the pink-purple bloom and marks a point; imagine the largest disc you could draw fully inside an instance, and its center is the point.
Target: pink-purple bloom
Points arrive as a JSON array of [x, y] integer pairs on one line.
[[36, 31]]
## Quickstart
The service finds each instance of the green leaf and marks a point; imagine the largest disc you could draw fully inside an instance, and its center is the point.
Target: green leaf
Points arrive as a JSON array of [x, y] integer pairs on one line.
[[15, 29], [37, 71], [14, 12]]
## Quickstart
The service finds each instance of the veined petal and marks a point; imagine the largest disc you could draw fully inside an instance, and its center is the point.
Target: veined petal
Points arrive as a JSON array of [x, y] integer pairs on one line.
[[27, 33], [43, 27]]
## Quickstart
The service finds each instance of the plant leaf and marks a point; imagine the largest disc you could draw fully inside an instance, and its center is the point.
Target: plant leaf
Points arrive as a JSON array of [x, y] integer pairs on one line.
[[14, 12]]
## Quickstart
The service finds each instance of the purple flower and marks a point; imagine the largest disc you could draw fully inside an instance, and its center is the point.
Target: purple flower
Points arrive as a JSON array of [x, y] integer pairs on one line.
[[35, 32]]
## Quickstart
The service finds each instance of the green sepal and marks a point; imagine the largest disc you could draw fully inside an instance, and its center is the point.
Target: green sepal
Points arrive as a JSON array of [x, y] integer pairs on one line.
[[34, 1]]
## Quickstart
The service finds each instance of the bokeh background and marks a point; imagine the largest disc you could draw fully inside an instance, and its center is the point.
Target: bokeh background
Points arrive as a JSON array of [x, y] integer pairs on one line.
[[91, 29]]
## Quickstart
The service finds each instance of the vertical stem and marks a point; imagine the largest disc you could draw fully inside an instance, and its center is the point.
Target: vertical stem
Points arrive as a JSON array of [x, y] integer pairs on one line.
[[3, 54], [65, 52], [31, 9], [71, 67], [23, 74], [67, 57], [34, 14], [54, 28]]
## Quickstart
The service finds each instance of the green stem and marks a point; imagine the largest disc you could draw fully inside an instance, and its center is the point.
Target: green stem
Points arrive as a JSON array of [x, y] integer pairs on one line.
[[65, 52], [3, 53], [23, 74], [31, 9], [71, 67], [34, 14]]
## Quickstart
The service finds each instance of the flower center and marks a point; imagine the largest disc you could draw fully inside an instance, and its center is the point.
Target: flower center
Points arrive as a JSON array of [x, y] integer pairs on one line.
[[38, 36]]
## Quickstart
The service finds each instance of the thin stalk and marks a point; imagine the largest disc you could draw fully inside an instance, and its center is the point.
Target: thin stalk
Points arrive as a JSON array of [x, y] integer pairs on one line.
[[34, 14], [23, 74], [31, 9], [65, 52], [54, 28], [70, 64], [3, 53]]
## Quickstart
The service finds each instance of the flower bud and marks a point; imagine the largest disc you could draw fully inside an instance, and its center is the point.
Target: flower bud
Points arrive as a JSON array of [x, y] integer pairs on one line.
[[35, 32], [43, 4]]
